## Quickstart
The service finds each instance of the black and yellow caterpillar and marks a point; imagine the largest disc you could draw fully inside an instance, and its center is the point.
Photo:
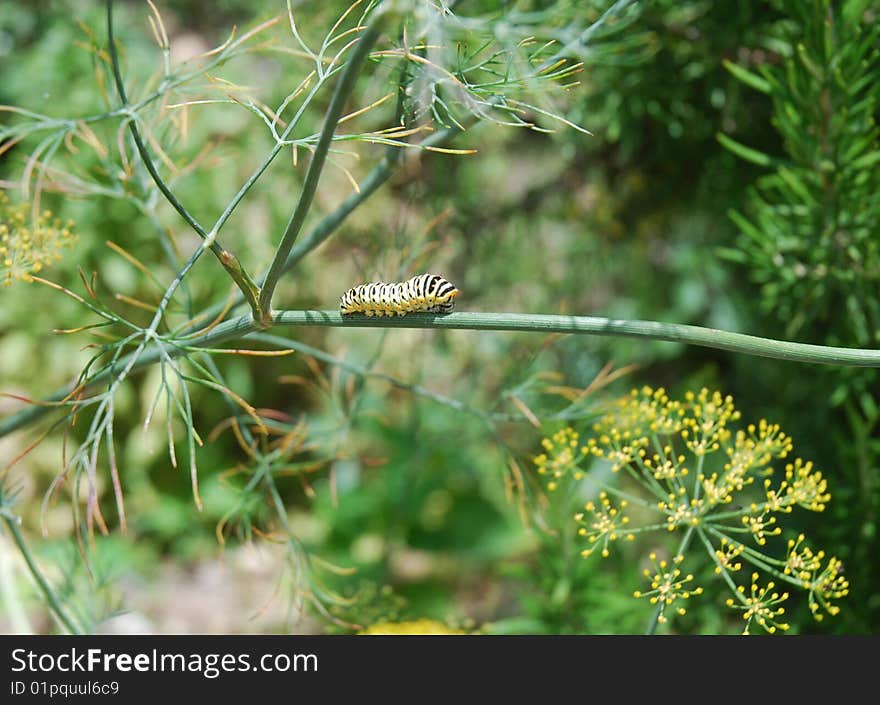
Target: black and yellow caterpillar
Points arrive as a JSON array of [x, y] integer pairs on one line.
[[428, 293]]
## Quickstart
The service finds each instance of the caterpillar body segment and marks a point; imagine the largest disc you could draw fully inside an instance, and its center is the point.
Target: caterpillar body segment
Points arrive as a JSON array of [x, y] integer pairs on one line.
[[423, 293]]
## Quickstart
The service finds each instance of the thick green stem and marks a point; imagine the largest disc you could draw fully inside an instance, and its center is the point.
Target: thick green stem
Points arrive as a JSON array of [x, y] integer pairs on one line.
[[313, 175], [242, 326], [587, 325], [378, 176]]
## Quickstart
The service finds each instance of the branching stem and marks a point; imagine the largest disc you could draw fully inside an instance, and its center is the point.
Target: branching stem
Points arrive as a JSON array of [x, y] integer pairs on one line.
[[229, 260]]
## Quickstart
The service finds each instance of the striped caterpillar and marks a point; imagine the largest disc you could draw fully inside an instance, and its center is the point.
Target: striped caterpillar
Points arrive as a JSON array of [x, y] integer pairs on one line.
[[428, 293]]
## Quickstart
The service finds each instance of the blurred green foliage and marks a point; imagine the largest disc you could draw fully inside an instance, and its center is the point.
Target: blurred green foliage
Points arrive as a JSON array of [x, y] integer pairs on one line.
[[438, 511]]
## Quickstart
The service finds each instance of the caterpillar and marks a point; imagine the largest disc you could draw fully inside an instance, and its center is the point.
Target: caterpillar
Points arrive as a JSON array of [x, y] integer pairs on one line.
[[428, 293]]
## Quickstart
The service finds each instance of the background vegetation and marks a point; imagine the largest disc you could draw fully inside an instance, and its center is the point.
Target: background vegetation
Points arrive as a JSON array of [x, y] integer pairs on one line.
[[731, 181]]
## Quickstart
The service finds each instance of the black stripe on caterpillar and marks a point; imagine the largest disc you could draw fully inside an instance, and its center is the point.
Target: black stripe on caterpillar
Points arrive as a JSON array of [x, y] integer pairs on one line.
[[428, 293]]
